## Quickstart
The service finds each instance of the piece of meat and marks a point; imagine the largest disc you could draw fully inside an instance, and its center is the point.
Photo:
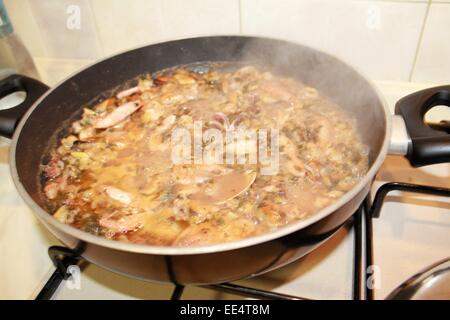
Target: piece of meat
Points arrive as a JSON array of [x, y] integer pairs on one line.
[[54, 167], [52, 188]]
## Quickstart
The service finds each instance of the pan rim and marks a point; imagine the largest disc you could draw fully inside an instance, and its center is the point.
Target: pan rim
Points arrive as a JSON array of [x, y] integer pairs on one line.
[[48, 219]]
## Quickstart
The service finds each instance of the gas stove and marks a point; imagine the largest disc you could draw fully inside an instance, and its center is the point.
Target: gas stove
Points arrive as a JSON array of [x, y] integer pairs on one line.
[[412, 232]]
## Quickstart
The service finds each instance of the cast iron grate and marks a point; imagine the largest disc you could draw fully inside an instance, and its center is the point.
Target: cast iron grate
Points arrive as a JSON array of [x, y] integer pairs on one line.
[[63, 257]]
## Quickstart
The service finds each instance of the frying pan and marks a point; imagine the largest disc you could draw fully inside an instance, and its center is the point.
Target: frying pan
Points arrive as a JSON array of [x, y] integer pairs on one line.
[[37, 121]]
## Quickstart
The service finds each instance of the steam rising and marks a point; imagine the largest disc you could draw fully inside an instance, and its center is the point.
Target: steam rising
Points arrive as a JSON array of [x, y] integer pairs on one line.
[[333, 78]]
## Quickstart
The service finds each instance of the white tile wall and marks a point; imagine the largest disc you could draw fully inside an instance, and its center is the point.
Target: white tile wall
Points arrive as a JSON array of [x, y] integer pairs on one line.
[[378, 37], [200, 17], [433, 59], [53, 70], [127, 24], [67, 28], [398, 40], [25, 25]]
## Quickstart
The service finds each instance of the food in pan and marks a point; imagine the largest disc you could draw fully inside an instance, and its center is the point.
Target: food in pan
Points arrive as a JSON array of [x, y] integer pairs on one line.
[[114, 173]]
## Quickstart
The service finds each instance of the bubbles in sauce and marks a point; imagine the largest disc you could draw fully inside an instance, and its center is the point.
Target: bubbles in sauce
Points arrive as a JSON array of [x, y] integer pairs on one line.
[[114, 174]]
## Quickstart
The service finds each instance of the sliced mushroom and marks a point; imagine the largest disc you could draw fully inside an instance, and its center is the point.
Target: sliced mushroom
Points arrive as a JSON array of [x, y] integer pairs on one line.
[[118, 115], [225, 187], [128, 92]]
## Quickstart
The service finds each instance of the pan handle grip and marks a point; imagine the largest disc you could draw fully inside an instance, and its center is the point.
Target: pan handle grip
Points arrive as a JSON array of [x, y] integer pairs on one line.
[[429, 144], [9, 118]]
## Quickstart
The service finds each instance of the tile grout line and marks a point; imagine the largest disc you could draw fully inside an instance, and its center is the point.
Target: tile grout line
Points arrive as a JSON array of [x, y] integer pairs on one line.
[[39, 29], [240, 16], [161, 20], [419, 41], [97, 30]]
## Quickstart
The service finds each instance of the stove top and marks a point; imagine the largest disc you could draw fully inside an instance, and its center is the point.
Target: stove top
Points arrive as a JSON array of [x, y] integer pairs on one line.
[[412, 233], [366, 273]]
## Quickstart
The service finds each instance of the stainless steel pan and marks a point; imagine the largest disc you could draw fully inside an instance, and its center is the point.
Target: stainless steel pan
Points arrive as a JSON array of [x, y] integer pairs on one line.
[[45, 111]]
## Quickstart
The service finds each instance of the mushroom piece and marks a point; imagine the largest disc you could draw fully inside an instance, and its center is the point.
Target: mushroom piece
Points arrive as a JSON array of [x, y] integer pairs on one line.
[[117, 115], [225, 187], [128, 92]]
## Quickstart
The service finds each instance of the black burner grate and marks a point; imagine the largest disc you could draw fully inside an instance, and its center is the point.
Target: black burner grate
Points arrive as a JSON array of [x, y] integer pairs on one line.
[[363, 248]]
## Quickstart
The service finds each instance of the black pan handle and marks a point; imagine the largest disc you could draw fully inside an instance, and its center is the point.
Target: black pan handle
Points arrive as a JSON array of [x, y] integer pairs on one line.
[[429, 144], [9, 118]]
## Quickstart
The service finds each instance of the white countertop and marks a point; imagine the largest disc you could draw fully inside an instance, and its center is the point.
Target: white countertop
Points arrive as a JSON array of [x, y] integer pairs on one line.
[[413, 232]]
